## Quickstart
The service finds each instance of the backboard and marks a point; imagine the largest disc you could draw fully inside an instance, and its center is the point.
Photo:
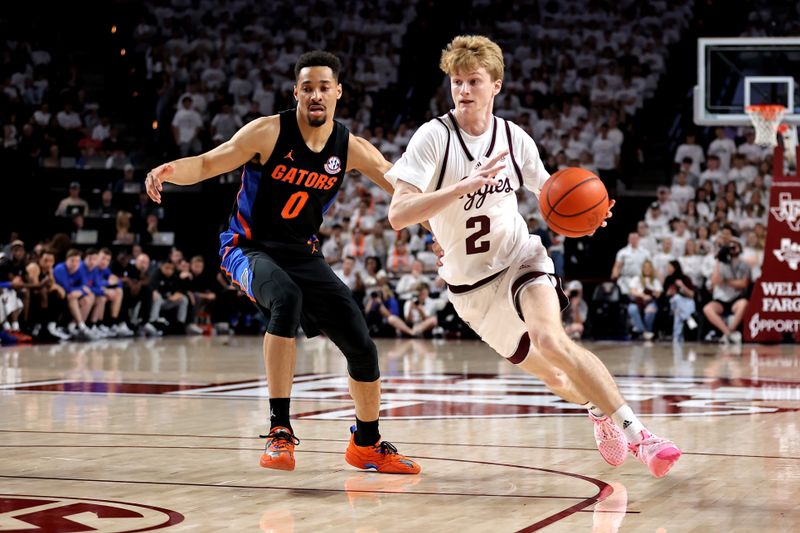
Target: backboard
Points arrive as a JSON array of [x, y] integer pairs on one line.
[[734, 72]]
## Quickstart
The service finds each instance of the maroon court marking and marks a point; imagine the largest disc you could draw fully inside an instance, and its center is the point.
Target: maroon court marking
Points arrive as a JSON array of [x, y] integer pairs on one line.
[[55, 517], [604, 490], [466, 445]]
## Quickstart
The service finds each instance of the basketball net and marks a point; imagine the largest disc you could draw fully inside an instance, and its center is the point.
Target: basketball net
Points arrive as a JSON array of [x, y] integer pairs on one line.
[[767, 122]]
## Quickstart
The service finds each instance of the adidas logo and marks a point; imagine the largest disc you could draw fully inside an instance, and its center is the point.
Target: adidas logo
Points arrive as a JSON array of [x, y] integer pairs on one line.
[[626, 424]]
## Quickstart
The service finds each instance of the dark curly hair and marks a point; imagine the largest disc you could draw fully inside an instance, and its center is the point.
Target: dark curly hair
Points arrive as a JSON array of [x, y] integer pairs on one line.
[[318, 58]]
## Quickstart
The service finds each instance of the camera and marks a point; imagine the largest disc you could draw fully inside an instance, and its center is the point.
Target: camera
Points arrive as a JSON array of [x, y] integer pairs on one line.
[[724, 254], [416, 301], [375, 294], [573, 293]]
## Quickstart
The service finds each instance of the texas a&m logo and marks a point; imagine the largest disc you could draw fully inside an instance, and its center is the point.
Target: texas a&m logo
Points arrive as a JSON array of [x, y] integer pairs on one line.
[[788, 253], [788, 210]]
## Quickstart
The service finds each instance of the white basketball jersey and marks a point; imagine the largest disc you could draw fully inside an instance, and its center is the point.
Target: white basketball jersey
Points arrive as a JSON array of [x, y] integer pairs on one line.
[[481, 232]]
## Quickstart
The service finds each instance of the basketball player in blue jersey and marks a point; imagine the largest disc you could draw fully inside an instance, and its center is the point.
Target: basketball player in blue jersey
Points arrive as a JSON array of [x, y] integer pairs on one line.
[[294, 164], [461, 172]]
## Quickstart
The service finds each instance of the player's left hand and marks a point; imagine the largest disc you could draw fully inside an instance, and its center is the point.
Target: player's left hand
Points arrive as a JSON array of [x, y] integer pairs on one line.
[[438, 250]]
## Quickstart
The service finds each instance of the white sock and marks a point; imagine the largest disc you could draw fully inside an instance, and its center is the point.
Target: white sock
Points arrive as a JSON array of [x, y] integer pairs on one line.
[[594, 410], [628, 423], [15, 326]]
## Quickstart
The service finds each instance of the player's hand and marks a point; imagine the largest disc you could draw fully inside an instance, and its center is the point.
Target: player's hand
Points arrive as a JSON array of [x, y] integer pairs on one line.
[[438, 250], [609, 214], [481, 176], [155, 178]]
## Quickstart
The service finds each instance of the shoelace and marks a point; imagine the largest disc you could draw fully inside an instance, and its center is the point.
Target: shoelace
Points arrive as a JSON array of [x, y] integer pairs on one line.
[[387, 448], [280, 439]]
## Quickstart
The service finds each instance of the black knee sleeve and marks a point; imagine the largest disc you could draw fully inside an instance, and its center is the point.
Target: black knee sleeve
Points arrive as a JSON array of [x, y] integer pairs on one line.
[[362, 359], [283, 299]]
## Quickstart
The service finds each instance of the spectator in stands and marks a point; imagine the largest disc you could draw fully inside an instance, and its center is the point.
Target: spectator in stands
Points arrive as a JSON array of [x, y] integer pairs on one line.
[[741, 173], [669, 208], [333, 247], [73, 279], [47, 296], [124, 235], [350, 276], [606, 158], [137, 289], [357, 247], [421, 310], [113, 290], [721, 148], [663, 257], [681, 191], [167, 296], [399, 259], [729, 281], [691, 149], [13, 293], [106, 208], [644, 291], [383, 312], [646, 241], [378, 242], [409, 283], [73, 203], [202, 288], [656, 221], [575, 315], [186, 127], [128, 184], [224, 124], [714, 173], [679, 291], [373, 275], [692, 263], [628, 263], [753, 254], [752, 152]]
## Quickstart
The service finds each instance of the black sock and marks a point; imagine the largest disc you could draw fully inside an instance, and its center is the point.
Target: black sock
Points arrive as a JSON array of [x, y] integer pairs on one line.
[[279, 413], [367, 433]]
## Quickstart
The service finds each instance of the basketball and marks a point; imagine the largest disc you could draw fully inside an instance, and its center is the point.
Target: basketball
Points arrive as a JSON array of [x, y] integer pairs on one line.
[[574, 202]]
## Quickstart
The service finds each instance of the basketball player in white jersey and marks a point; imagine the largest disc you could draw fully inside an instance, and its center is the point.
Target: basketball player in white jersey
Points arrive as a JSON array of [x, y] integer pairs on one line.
[[460, 173]]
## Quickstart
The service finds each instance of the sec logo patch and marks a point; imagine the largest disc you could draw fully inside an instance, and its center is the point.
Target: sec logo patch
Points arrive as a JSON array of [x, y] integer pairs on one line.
[[333, 165]]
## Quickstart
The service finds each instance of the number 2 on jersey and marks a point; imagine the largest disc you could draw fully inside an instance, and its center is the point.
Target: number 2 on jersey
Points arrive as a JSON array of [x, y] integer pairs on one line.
[[294, 204], [483, 223]]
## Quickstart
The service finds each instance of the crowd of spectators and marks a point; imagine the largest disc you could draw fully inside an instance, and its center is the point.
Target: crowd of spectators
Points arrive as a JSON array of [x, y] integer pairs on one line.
[[700, 245]]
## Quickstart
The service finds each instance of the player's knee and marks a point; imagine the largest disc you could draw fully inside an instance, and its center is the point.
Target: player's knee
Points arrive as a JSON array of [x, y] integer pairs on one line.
[[362, 361], [552, 344], [285, 308], [709, 309]]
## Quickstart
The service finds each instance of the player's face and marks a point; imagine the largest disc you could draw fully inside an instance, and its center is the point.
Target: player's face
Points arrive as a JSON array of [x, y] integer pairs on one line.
[[316, 93], [73, 263], [473, 91], [103, 261]]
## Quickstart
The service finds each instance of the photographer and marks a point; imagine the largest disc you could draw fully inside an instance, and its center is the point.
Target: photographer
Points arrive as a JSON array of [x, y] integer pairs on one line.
[[383, 310], [420, 312], [729, 282]]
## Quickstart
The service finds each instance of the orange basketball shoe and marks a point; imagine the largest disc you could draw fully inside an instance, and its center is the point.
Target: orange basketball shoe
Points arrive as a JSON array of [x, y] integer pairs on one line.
[[279, 450], [611, 442], [381, 457]]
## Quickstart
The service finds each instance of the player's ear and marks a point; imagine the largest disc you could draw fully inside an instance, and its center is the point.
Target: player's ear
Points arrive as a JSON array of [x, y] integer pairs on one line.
[[338, 91], [294, 91], [498, 84]]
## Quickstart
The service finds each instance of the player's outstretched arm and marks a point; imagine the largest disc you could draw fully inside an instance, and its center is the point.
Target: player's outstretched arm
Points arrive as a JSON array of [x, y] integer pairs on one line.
[[256, 137], [412, 206], [364, 157]]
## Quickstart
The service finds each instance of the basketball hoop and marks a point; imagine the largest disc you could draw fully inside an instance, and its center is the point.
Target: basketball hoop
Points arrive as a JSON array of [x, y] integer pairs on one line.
[[767, 121]]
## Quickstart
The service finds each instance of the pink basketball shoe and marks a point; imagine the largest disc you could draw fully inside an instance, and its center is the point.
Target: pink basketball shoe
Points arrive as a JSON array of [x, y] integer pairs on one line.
[[611, 442], [658, 454]]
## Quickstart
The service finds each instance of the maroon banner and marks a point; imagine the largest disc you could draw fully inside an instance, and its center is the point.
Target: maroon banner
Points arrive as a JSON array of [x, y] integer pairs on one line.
[[773, 314]]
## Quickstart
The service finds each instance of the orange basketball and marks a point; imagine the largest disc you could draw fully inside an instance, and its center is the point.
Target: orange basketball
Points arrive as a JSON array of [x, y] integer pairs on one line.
[[574, 202]]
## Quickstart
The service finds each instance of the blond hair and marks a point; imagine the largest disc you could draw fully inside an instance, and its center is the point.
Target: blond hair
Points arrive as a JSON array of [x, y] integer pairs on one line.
[[468, 53]]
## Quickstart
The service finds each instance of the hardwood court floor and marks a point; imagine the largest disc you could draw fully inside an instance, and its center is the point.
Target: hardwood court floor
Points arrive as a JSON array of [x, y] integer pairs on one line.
[[137, 435]]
